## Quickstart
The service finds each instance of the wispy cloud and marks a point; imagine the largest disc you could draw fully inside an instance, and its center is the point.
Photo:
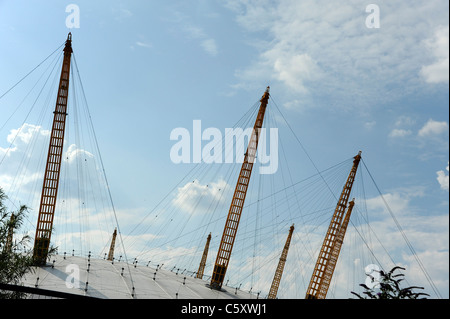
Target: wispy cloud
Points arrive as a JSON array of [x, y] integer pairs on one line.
[[325, 48], [143, 44], [442, 178], [210, 46], [81, 187], [193, 32], [121, 14], [400, 133], [433, 128], [438, 71], [207, 43], [195, 197], [400, 130]]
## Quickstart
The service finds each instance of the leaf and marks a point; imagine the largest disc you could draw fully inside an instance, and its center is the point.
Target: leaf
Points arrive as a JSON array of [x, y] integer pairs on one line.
[[364, 286], [395, 268], [357, 295]]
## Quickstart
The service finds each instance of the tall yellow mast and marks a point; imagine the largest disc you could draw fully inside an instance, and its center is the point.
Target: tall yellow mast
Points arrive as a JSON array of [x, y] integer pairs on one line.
[[237, 203], [112, 246], [53, 166], [329, 270], [279, 272], [320, 280], [201, 268]]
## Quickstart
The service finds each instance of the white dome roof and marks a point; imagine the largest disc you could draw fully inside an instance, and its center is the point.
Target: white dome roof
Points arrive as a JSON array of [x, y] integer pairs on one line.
[[116, 280]]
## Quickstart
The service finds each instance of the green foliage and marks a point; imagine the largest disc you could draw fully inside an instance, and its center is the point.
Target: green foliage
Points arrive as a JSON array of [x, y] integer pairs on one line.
[[14, 261], [389, 288]]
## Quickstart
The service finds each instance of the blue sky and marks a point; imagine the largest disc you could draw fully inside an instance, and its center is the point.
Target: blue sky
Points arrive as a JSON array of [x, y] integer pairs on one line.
[[150, 67]]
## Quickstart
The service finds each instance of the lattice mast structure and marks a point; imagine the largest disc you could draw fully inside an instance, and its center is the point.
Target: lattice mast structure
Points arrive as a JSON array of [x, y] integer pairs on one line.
[[327, 259], [237, 203], [53, 165], [201, 268], [112, 246], [279, 272]]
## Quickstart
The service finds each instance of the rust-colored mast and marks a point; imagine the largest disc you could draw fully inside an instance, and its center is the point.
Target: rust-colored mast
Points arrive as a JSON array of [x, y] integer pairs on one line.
[[318, 286], [113, 244], [53, 166], [201, 268], [279, 272], [335, 251], [237, 203]]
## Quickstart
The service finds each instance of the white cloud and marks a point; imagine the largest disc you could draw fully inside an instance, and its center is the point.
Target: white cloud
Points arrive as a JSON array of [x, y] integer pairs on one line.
[[294, 70], [22, 171], [399, 130], [22, 142], [370, 125], [428, 234], [404, 121], [400, 133], [397, 202], [143, 44], [438, 45], [433, 128], [196, 198], [207, 43], [73, 152], [325, 49], [210, 46], [24, 134], [442, 178]]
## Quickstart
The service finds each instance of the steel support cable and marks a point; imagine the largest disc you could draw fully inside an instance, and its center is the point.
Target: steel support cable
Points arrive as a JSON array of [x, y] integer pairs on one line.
[[190, 215], [164, 227], [271, 123], [190, 172], [26, 117], [301, 145], [295, 194], [94, 181], [22, 165], [247, 119], [408, 243], [200, 239], [287, 123], [54, 64], [202, 169], [23, 78], [281, 202], [256, 232], [82, 176], [242, 122], [79, 174], [46, 108], [104, 173], [367, 244], [259, 225], [307, 152], [248, 124], [24, 159]]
